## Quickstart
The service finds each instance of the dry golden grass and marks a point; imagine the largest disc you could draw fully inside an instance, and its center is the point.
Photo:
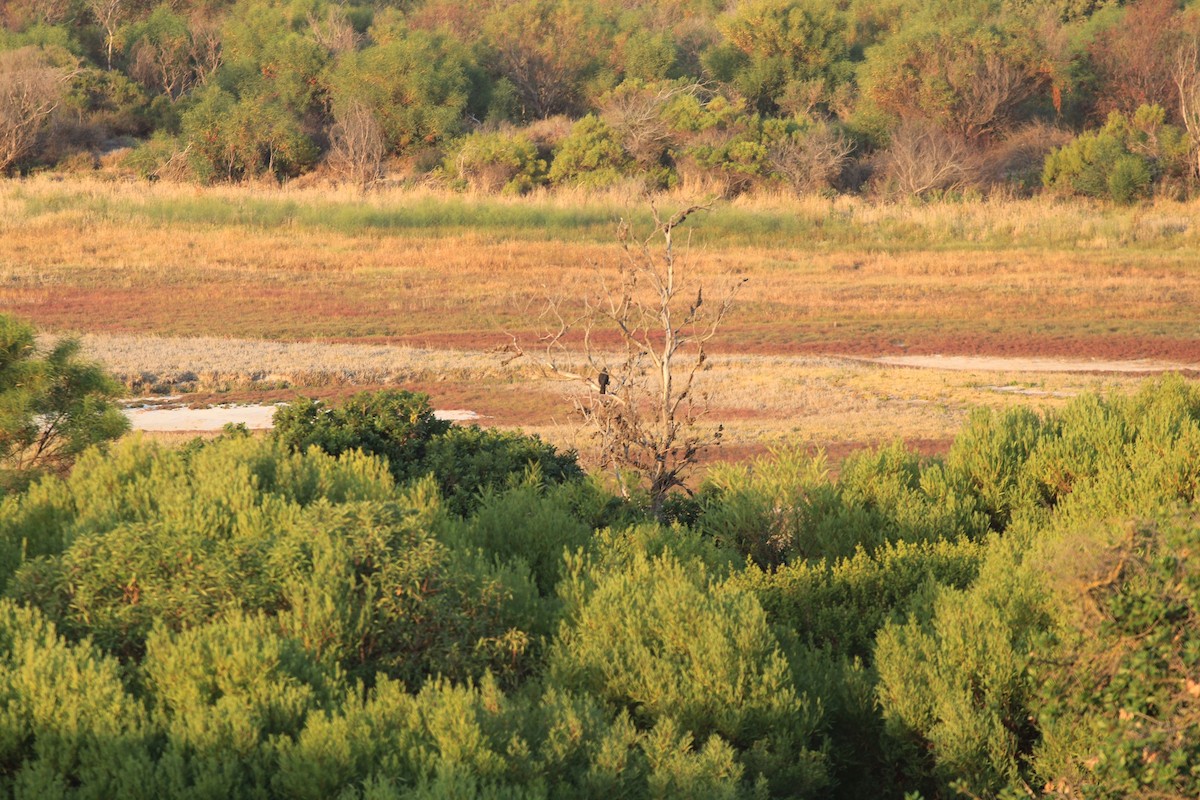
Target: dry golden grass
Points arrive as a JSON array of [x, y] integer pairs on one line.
[[309, 287], [84, 257]]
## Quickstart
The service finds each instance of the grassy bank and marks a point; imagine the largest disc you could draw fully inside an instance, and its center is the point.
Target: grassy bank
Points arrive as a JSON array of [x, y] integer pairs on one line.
[[755, 221]]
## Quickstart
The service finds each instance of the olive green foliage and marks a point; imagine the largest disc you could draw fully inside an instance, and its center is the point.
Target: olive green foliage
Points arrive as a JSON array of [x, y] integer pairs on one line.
[[250, 118], [418, 86], [394, 424], [784, 507], [591, 155], [962, 66], [1121, 160], [254, 89], [1050, 669], [664, 642], [779, 46], [401, 427], [499, 161], [67, 718], [53, 405], [281, 617], [1121, 706]]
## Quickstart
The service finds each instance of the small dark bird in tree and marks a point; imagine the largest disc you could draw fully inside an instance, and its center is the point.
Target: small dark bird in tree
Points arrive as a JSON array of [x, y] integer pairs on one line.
[[602, 381]]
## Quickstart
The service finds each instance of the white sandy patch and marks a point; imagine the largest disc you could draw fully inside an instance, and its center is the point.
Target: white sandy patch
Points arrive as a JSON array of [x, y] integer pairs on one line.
[[214, 418], [1002, 364]]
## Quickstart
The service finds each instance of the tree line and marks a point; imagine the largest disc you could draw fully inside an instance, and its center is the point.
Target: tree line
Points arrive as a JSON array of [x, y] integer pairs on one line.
[[1090, 97]]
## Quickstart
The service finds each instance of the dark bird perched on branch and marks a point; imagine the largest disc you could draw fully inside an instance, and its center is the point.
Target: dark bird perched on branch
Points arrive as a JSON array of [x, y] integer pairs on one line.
[[602, 381]]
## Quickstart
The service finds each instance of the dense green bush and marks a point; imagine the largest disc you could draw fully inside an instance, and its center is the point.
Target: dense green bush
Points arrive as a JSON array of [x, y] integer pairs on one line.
[[665, 643], [591, 155], [467, 460], [784, 507], [1119, 161], [68, 727], [496, 162], [53, 406], [395, 425], [419, 87], [1119, 703], [401, 427], [1020, 678], [255, 617]]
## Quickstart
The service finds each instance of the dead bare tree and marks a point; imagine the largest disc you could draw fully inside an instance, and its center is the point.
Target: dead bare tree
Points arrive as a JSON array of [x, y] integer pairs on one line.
[[640, 402], [334, 32], [637, 114], [922, 159], [164, 63], [1186, 75], [812, 160], [109, 14], [205, 45], [357, 145], [31, 89]]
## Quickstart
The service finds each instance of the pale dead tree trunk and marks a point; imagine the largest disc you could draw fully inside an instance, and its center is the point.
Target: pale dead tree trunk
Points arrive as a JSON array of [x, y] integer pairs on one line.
[[334, 32], [357, 145], [31, 89], [641, 402], [165, 64], [638, 115], [205, 40], [1186, 74], [108, 13]]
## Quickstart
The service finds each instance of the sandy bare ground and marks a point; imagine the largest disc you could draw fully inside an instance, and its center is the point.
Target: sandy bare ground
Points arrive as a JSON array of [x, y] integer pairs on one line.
[[256, 417], [1003, 364], [761, 400]]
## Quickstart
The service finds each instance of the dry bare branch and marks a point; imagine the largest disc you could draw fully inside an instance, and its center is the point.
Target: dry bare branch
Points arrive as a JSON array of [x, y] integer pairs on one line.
[[357, 145], [641, 404], [1186, 76], [31, 89]]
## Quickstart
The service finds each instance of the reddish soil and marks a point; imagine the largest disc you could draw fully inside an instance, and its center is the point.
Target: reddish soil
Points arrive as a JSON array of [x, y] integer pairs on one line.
[[834, 343]]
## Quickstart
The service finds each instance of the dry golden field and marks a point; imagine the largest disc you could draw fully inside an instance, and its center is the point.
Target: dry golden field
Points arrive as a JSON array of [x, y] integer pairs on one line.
[[326, 291]]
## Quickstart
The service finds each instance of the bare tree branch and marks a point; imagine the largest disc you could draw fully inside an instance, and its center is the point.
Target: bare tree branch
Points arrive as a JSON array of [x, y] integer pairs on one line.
[[640, 403]]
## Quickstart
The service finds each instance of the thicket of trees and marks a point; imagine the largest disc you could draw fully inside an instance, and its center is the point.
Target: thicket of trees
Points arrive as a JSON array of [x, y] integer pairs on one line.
[[371, 604], [1091, 97]]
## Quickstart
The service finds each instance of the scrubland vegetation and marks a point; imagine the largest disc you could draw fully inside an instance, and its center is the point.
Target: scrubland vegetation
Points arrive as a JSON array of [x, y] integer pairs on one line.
[[371, 603], [368, 602], [1096, 98]]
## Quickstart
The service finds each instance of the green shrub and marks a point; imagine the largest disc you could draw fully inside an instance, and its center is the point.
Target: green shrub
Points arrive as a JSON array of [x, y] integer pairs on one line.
[[785, 507], [394, 424], [496, 162], [224, 693], [1129, 179], [591, 155], [954, 681], [151, 536], [419, 86], [370, 587], [324, 544], [763, 508], [841, 605], [467, 460], [1120, 161], [524, 525], [988, 459], [664, 643], [475, 742], [68, 728], [1118, 701]]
